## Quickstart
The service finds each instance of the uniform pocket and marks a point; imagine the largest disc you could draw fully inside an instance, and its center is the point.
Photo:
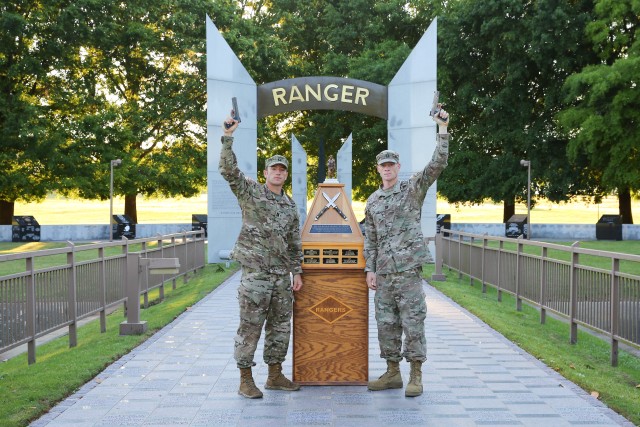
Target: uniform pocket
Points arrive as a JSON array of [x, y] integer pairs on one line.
[[254, 289]]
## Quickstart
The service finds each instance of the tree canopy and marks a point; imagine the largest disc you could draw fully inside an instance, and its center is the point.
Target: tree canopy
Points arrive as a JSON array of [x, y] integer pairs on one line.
[[502, 63], [28, 51], [89, 81], [602, 118], [134, 90], [360, 39]]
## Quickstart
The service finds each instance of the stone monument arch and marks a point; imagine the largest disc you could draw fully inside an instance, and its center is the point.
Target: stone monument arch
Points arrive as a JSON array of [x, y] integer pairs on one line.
[[405, 104]]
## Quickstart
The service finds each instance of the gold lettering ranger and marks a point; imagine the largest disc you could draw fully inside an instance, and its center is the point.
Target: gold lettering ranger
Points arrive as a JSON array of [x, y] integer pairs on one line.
[[332, 92]]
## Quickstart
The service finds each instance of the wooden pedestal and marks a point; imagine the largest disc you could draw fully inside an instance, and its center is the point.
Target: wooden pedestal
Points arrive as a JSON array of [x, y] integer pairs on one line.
[[331, 311], [330, 328]]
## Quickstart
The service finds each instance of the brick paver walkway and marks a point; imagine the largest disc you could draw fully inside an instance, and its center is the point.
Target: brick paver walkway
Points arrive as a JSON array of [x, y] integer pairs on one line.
[[186, 375]]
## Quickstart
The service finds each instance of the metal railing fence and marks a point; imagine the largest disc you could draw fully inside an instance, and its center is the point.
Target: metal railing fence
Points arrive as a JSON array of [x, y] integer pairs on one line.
[[55, 288], [596, 289]]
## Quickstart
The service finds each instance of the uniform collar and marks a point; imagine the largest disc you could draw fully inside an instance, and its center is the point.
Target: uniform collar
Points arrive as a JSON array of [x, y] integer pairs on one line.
[[394, 189], [273, 196]]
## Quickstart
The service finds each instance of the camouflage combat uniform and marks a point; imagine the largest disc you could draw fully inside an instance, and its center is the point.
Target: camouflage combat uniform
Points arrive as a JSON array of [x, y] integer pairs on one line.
[[269, 249], [395, 250]]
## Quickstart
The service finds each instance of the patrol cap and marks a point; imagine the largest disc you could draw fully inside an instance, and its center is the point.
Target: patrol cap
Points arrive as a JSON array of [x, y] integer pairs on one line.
[[277, 160], [388, 156]]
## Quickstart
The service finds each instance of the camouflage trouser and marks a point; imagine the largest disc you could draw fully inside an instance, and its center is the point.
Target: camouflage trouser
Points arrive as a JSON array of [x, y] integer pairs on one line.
[[263, 296], [401, 307]]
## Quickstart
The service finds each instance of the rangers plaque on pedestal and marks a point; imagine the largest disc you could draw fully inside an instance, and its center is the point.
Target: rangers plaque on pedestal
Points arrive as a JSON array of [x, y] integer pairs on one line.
[[331, 311]]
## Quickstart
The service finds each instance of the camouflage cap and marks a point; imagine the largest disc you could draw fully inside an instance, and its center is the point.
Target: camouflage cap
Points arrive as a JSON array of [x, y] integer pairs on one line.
[[388, 156], [277, 160]]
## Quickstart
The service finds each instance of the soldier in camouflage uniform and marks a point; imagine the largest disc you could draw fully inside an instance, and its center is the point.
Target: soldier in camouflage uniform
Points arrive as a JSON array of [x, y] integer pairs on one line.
[[270, 251], [394, 251]]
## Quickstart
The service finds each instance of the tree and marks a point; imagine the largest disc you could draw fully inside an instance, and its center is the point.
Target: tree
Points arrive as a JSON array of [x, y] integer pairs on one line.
[[361, 39], [603, 117], [501, 64], [27, 56], [133, 89]]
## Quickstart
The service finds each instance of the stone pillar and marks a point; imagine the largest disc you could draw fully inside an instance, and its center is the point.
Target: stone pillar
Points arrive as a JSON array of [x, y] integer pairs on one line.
[[298, 174], [226, 78], [411, 132], [345, 165]]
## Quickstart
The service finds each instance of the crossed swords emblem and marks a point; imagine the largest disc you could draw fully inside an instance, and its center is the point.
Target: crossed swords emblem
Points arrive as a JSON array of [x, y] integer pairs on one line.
[[331, 204]]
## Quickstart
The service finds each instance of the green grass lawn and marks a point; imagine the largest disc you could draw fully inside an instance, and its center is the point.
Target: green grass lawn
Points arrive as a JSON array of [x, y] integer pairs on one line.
[[55, 210], [29, 391], [622, 246], [40, 262]]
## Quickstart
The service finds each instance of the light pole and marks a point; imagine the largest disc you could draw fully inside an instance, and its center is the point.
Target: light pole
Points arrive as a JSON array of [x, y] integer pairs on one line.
[[114, 163], [527, 164]]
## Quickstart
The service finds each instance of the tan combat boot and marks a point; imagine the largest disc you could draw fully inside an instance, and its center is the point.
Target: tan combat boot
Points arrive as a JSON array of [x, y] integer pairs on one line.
[[247, 386], [414, 387], [277, 381], [390, 379]]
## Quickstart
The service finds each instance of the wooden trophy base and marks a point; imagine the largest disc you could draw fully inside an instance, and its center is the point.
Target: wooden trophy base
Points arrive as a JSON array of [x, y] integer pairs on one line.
[[331, 328]]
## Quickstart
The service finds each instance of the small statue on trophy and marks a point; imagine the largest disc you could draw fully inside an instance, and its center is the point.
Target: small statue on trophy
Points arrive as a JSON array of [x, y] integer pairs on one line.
[[331, 167]]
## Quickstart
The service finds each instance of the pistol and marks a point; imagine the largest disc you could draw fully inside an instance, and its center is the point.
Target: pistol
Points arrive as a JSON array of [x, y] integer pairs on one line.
[[235, 113], [436, 106]]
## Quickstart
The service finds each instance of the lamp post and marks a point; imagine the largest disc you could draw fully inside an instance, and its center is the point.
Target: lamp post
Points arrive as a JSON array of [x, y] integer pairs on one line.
[[114, 163], [527, 164]]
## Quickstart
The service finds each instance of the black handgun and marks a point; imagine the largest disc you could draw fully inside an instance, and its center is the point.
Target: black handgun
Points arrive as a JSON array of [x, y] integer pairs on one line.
[[436, 106], [235, 113]]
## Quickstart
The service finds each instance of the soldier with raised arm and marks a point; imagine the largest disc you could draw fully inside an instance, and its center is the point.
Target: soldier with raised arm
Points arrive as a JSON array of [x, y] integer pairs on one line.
[[269, 249], [394, 251]]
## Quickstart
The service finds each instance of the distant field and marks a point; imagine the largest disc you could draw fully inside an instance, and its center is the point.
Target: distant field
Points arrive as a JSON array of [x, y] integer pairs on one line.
[[544, 212], [60, 211]]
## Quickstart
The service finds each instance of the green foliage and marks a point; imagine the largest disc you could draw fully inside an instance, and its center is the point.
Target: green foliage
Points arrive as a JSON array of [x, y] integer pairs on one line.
[[88, 81], [358, 39], [27, 56], [500, 65], [134, 89], [603, 100]]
